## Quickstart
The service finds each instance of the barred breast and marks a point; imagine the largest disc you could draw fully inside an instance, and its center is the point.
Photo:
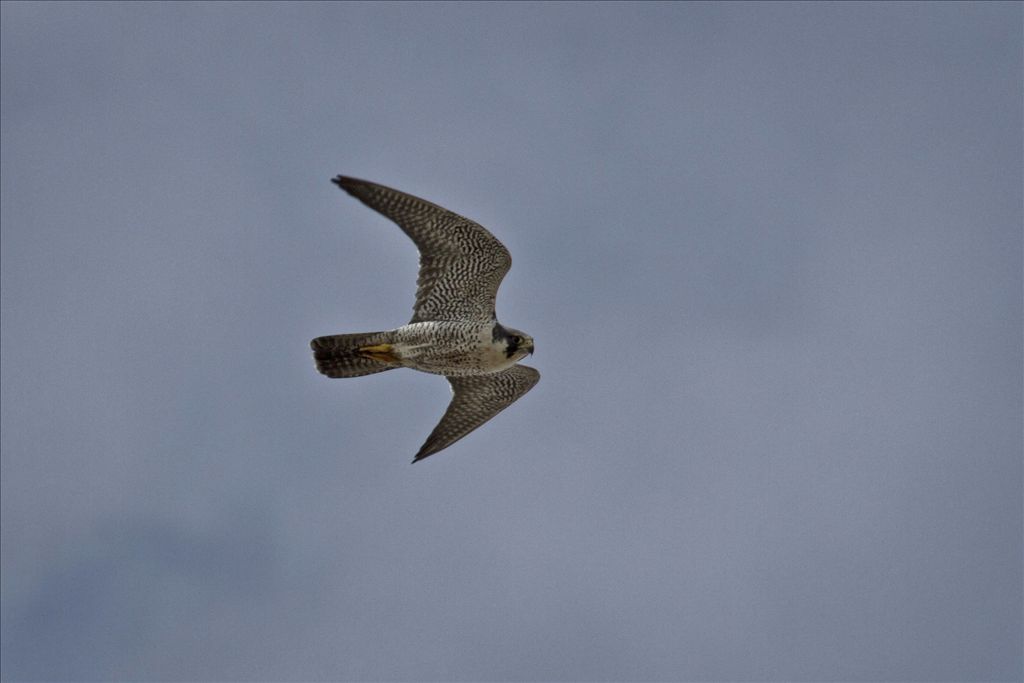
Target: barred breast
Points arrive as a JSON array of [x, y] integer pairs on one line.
[[450, 348]]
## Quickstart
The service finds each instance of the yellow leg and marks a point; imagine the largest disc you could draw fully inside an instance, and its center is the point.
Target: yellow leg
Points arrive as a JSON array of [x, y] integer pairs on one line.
[[381, 352]]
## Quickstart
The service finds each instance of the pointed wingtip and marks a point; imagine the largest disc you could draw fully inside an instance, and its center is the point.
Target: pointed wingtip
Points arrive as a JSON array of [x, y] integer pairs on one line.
[[345, 182], [422, 455], [354, 186]]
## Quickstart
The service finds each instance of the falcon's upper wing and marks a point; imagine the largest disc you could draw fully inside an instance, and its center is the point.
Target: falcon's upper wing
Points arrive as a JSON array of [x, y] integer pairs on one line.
[[476, 400], [461, 264]]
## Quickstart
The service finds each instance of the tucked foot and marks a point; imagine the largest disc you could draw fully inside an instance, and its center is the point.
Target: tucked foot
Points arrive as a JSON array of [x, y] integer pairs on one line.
[[381, 352]]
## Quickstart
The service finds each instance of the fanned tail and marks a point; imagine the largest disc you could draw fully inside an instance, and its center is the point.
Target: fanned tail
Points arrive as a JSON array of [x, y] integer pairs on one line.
[[353, 355]]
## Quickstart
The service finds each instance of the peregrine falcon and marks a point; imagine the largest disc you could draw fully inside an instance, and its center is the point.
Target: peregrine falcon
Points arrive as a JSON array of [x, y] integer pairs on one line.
[[454, 329]]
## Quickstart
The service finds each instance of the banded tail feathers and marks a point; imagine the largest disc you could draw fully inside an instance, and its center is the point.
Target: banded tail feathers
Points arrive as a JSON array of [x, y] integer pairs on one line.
[[352, 355]]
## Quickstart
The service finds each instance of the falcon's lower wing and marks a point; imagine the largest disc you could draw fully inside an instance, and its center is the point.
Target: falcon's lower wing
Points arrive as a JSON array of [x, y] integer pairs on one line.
[[476, 400]]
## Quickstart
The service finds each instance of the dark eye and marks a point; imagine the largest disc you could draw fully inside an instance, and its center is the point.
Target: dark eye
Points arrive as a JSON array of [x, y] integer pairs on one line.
[[516, 340]]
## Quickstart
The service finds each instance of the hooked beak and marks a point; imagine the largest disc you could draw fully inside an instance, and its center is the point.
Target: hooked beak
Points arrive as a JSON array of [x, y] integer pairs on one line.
[[530, 349]]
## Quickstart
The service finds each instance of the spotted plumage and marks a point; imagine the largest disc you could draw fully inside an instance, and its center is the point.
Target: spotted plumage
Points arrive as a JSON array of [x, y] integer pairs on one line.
[[454, 329]]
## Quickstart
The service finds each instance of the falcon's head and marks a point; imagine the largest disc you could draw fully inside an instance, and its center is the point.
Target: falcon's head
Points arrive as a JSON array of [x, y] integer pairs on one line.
[[518, 345]]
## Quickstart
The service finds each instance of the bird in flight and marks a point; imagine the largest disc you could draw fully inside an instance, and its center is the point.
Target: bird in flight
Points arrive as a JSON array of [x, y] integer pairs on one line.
[[454, 330]]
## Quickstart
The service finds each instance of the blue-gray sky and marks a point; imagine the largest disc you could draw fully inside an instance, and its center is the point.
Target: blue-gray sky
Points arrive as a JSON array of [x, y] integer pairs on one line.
[[771, 256]]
